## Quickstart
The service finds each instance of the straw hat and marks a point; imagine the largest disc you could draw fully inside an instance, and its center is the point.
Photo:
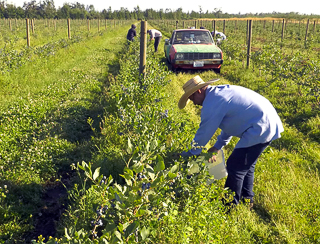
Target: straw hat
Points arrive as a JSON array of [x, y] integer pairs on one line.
[[190, 87]]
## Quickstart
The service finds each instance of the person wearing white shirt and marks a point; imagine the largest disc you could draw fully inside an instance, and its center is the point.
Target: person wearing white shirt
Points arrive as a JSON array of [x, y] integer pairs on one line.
[[220, 36], [156, 36]]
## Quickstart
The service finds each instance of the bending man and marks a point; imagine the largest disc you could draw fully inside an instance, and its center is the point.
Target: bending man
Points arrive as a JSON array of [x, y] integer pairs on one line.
[[239, 112]]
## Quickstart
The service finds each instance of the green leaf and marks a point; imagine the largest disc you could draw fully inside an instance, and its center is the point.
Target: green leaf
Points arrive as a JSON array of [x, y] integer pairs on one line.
[[96, 173], [148, 147], [154, 145], [129, 172], [66, 233], [138, 167], [130, 147], [110, 180], [129, 182], [131, 228], [118, 235], [110, 227], [144, 233], [160, 164], [172, 175], [174, 168], [193, 169]]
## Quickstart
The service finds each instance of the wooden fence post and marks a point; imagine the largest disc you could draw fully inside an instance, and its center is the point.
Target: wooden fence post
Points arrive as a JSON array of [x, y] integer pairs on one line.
[[249, 43], [272, 26], [32, 25], [10, 28], [224, 26], [306, 36], [28, 32], [214, 29], [177, 22], [247, 34], [282, 33], [69, 29], [143, 49], [314, 27]]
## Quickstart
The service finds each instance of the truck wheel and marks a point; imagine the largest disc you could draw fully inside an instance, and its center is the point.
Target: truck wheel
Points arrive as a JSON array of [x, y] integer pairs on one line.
[[217, 71]]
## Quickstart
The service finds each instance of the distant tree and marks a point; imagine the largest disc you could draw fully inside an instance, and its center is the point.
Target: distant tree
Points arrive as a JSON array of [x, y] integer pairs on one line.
[[2, 9], [20, 13], [78, 11], [31, 9], [10, 11], [139, 14], [200, 11], [47, 9], [64, 12], [161, 14], [92, 13]]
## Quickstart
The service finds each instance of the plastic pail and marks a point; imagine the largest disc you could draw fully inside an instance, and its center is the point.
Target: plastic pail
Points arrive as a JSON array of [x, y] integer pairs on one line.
[[218, 168]]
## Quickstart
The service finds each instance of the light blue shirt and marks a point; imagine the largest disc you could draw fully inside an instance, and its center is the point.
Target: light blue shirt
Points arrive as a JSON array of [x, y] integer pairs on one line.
[[239, 112]]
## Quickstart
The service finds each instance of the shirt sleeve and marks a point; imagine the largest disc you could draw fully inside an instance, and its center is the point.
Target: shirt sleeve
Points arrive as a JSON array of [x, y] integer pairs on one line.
[[211, 117], [223, 139]]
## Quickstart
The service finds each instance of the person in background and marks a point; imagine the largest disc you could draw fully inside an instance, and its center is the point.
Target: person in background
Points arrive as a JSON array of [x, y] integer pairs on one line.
[[132, 33], [238, 112], [156, 36], [220, 36]]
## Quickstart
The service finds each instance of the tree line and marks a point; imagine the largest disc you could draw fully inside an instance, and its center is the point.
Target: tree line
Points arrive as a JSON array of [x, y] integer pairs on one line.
[[46, 10]]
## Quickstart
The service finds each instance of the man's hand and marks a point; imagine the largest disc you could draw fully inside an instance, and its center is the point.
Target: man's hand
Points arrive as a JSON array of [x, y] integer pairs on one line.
[[214, 157]]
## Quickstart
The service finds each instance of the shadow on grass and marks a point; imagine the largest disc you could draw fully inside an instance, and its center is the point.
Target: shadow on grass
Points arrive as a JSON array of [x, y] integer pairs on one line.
[[267, 218], [51, 200]]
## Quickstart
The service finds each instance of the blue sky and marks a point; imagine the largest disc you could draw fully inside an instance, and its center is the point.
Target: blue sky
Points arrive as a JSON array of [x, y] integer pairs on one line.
[[226, 6]]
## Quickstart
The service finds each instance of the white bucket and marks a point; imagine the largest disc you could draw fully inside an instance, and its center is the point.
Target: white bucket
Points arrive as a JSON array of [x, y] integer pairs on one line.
[[217, 168]]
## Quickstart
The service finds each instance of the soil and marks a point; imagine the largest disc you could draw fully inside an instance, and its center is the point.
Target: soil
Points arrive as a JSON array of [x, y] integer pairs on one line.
[[54, 204]]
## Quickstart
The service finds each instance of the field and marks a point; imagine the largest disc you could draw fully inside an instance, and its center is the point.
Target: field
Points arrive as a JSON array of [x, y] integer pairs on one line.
[[87, 146]]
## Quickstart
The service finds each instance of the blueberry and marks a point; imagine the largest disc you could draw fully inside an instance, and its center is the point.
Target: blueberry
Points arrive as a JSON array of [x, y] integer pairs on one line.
[[99, 212], [144, 185], [99, 222], [148, 185]]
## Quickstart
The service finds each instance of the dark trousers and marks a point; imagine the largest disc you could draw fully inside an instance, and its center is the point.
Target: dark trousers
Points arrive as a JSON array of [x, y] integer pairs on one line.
[[156, 43], [240, 166]]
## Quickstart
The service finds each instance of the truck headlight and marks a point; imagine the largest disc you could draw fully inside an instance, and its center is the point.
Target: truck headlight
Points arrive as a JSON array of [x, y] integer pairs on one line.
[[179, 56], [217, 55]]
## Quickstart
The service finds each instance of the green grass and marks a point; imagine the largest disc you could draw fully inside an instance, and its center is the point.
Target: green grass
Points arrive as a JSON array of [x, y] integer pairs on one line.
[[45, 105]]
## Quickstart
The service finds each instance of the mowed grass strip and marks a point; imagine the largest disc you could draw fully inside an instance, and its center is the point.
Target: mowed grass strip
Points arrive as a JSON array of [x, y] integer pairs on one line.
[[44, 108]]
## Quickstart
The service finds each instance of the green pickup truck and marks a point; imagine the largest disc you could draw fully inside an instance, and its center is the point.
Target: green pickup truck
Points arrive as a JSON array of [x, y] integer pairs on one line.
[[193, 49]]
